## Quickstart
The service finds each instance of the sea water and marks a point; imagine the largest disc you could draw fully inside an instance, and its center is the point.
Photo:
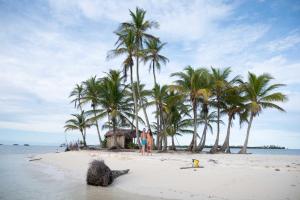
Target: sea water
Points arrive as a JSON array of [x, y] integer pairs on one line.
[[22, 179]]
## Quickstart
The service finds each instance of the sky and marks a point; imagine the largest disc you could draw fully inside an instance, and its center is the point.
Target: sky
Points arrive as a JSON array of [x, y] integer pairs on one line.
[[46, 47]]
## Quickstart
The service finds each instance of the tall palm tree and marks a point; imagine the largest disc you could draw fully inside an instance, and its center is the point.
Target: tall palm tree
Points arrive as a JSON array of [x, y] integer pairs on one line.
[[126, 46], [190, 84], [220, 83], [91, 95], [139, 26], [234, 104], [79, 122], [260, 94], [152, 55]]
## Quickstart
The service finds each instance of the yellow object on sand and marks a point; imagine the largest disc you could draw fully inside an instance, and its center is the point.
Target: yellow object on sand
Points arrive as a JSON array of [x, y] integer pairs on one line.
[[195, 163]]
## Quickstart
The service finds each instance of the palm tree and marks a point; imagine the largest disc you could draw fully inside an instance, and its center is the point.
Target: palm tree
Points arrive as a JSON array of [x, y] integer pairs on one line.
[[152, 55], [190, 84], [174, 111], [159, 93], [115, 101], [260, 95], [220, 83], [91, 95], [207, 119], [79, 122], [126, 46], [139, 26], [233, 105], [77, 94]]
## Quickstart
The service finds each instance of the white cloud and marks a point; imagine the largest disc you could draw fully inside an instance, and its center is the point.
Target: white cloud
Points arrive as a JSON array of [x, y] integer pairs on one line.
[[179, 20], [284, 43], [283, 70], [227, 44], [41, 59]]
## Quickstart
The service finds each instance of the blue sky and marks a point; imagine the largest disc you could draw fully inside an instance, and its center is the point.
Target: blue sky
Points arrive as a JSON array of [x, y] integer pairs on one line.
[[49, 46]]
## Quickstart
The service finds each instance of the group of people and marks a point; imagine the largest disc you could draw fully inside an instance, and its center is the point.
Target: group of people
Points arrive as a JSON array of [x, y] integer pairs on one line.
[[146, 142]]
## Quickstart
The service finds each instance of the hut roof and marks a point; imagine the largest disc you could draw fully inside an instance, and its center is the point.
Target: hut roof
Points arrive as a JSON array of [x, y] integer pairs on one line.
[[122, 132]]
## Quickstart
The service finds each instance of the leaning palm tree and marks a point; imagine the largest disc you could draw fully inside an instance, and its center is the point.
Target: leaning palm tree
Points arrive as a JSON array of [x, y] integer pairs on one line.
[[139, 26], [190, 84], [152, 55], [91, 94], [159, 93], [234, 105], [126, 46], [174, 112], [220, 83], [208, 119], [79, 122], [260, 95], [77, 94]]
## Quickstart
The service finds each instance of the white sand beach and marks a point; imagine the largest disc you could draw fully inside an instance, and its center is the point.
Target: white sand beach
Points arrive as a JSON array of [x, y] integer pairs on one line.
[[223, 176]]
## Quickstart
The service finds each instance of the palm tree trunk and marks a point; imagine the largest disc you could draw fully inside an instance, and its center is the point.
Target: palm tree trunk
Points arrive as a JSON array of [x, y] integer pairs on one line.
[[244, 149], [195, 126], [139, 93], [173, 143], [84, 129], [157, 112], [225, 147], [83, 137], [164, 139], [135, 109], [114, 132], [191, 144], [202, 145], [165, 143], [154, 76], [97, 126], [203, 138], [160, 128], [157, 125], [216, 145]]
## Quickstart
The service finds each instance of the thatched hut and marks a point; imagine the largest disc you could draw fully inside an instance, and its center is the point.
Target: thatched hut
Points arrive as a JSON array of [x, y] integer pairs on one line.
[[124, 137]]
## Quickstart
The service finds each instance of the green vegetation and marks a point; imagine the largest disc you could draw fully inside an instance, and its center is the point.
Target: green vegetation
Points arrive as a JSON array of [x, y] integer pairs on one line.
[[198, 96]]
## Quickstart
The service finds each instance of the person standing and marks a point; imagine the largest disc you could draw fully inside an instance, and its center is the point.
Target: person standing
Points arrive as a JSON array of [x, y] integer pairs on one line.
[[149, 142], [143, 140]]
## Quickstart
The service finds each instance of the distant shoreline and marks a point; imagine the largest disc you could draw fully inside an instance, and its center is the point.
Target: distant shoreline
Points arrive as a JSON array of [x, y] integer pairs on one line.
[[179, 147]]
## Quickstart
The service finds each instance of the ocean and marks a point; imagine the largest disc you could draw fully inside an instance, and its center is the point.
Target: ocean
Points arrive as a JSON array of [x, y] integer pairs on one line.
[[22, 180]]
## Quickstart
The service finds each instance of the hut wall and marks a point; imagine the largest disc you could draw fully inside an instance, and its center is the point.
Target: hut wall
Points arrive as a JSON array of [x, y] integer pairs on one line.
[[120, 140]]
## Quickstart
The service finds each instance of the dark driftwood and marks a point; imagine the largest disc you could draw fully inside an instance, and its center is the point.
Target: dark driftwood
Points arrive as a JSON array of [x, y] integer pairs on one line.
[[34, 159], [99, 174]]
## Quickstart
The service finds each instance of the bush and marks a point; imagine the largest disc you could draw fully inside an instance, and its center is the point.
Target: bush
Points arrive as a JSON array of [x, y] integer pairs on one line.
[[104, 143], [132, 145]]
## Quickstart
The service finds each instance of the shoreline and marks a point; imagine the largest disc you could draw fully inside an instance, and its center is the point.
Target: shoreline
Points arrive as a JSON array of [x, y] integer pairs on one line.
[[224, 176]]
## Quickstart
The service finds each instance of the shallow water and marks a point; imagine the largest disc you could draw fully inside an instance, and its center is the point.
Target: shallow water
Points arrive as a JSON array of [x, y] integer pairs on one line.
[[21, 179]]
